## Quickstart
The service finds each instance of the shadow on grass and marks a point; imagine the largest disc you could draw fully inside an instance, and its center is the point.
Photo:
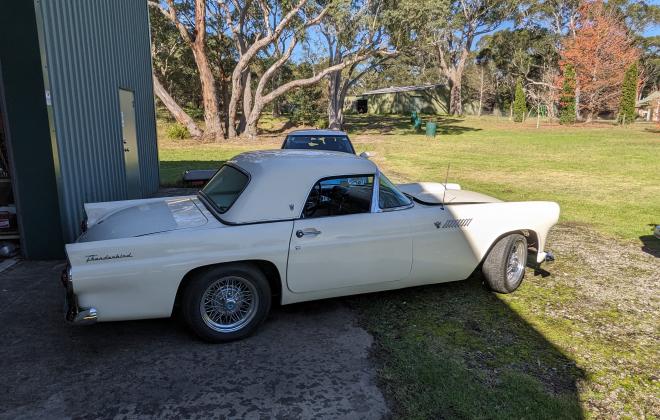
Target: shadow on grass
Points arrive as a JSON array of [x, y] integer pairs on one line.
[[650, 245], [457, 351], [288, 125], [400, 124], [171, 171]]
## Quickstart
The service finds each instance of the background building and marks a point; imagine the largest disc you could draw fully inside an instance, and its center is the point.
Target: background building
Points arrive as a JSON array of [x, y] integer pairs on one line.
[[77, 120], [649, 107], [425, 99], [428, 99]]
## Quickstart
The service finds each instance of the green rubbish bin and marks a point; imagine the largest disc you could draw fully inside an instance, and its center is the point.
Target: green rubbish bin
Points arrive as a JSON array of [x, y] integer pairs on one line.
[[431, 128], [417, 124]]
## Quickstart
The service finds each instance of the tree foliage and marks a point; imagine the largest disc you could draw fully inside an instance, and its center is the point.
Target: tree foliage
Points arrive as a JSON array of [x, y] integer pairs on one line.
[[567, 113], [628, 95], [528, 54], [519, 103], [600, 52], [229, 61]]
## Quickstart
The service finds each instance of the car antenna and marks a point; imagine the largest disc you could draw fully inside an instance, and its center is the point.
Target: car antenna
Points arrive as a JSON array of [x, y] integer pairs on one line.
[[446, 179]]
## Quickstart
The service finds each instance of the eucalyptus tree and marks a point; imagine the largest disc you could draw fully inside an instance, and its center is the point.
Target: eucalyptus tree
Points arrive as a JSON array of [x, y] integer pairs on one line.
[[449, 29], [354, 25], [175, 77], [528, 54], [189, 17], [278, 28]]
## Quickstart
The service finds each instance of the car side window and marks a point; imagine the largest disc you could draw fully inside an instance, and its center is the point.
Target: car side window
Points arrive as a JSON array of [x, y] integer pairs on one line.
[[340, 195], [389, 197]]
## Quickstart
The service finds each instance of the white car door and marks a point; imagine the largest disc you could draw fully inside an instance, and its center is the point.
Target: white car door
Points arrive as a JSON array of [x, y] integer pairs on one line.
[[343, 241]]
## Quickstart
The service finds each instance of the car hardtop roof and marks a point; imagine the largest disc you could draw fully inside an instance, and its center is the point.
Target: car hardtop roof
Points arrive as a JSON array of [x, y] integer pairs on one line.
[[280, 181], [317, 132], [316, 161]]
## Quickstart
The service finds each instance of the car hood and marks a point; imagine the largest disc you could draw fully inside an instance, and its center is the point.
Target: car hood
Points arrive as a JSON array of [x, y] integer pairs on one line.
[[146, 218], [434, 193]]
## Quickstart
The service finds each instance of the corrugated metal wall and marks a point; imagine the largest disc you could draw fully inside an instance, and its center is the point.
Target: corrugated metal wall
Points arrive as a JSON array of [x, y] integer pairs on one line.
[[93, 48]]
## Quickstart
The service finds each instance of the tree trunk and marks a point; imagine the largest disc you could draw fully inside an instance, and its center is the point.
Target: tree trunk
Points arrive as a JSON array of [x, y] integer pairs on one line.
[[455, 99], [247, 100], [212, 121], [224, 93], [236, 92], [177, 112], [481, 91], [277, 112], [252, 119], [334, 107]]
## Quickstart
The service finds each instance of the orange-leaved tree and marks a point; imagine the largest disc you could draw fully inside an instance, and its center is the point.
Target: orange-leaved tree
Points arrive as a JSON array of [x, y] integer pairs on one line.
[[600, 52]]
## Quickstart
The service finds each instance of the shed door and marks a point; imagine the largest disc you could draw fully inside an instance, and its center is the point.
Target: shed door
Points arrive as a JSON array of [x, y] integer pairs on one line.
[[129, 137]]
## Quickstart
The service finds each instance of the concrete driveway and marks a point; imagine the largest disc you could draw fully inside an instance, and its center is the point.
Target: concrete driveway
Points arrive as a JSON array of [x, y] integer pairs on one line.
[[308, 360]]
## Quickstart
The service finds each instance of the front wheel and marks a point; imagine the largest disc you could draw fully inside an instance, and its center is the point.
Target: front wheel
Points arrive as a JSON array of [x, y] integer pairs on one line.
[[504, 267], [227, 302]]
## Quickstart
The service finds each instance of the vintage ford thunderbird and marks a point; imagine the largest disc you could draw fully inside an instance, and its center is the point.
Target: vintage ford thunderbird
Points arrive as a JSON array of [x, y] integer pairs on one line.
[[290, 226]]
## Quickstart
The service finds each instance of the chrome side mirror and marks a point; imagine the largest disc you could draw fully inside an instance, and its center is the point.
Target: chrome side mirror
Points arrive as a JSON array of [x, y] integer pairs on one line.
[[366, 155]]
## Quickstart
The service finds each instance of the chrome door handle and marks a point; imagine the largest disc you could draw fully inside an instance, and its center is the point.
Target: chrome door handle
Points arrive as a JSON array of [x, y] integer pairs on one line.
[[307, 231]]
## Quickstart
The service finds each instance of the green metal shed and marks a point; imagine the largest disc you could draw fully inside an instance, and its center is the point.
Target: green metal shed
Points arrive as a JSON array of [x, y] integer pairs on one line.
[[427, 99], [77, 119]]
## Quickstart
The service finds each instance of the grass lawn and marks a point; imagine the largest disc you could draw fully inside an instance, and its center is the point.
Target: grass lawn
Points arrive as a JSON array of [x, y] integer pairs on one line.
[[580, 339], [604, 176]]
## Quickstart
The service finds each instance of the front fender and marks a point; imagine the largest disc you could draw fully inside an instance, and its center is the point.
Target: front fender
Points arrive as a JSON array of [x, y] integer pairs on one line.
[[490, 221]]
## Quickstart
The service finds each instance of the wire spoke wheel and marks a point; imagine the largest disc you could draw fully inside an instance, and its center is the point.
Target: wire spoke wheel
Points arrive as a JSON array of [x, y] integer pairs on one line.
[[229, 304], [516, 262]]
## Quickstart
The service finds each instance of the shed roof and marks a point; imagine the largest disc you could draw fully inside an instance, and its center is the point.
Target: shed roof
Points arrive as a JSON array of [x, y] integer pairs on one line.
[[396, 89], [280, 181], [651, 97]]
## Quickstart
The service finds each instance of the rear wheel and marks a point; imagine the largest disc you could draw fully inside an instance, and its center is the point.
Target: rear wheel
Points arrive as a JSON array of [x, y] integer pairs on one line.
[[227, 302], [504, 267]]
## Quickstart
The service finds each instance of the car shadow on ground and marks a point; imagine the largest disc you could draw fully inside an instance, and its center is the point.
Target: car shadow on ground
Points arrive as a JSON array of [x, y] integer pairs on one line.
[[650, 245], [464, 353], [396, 124], [279, 129]]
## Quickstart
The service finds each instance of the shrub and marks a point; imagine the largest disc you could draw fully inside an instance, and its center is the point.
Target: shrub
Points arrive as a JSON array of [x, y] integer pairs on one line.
[[306, 109], [519, 103], [195, 113], [628, 95], [567, 98], [177, 131]]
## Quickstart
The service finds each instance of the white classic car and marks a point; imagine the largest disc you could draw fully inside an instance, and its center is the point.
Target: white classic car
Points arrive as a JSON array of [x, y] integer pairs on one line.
[[291, 226]]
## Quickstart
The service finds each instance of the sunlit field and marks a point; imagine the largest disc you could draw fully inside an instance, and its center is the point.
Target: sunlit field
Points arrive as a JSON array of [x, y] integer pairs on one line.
[[602, 175]]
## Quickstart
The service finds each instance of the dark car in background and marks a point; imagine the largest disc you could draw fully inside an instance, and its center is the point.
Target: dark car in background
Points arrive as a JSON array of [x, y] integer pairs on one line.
[[333, 140]]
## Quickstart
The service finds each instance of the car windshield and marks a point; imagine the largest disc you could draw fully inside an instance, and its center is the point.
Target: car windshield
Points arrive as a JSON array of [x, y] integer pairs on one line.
[[332, 143], [224, 188], [389, 196]]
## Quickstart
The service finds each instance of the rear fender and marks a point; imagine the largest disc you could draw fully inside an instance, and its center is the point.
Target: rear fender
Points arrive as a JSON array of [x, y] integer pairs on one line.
[[96, 212]]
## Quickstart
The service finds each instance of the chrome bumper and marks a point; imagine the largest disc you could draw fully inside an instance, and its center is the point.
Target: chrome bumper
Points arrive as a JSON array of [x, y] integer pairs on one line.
[[74, 314]]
